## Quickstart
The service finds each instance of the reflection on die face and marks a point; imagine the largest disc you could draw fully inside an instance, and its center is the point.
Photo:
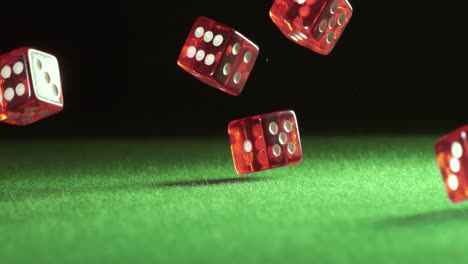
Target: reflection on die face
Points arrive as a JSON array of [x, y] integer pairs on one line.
[[45, 77]]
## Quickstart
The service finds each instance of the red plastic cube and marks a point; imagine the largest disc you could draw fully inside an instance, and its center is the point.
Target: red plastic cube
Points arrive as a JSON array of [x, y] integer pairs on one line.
[[30, 86], [314, 24], [452, 159], [265, 141], [218, 55]]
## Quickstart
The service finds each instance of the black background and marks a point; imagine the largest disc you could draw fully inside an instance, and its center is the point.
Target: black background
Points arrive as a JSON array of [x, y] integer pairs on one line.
[[398, 67]]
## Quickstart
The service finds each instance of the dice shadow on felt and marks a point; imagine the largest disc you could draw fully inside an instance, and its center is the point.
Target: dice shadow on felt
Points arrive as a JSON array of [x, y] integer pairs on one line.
[[211, 182], [427, 218]]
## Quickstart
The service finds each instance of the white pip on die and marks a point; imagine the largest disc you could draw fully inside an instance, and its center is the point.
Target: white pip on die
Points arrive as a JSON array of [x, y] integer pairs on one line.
[[30, 86]]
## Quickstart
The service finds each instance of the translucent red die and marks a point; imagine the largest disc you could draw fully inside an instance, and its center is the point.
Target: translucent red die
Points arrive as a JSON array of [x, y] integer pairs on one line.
[[218, 55], [452, 159], [265, 141], [30, 86], [314, 24]]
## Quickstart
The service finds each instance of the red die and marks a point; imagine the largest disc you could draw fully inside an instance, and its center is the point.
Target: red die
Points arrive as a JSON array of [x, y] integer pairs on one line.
[[452, 157], [218, 55], [30, 87], [314, 24], [265, 141]]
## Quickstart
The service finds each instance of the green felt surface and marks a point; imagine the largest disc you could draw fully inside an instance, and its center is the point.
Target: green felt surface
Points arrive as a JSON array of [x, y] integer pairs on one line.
[[362, 199]]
